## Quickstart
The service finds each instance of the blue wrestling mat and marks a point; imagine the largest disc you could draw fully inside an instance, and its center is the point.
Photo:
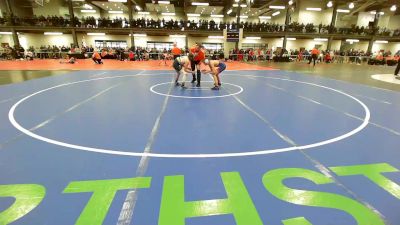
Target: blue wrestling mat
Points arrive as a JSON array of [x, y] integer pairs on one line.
[[128, 147]]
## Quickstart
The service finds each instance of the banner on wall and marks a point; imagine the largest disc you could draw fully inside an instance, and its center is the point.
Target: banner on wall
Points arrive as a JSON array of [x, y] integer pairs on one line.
[[232, 35]]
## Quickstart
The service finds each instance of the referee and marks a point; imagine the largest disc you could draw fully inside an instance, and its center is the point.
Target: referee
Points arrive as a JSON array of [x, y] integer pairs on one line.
[[192, 54], [199, 57]]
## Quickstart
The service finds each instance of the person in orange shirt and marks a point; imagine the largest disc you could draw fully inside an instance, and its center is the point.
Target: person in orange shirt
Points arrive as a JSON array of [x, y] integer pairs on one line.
[[198, 59], [328, 58], [192, 53], [196, 56], [176, 52], [379, 57], [97, 58], [314, 55]]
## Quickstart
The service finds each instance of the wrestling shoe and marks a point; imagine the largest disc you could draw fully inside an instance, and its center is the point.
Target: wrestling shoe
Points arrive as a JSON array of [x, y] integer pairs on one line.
[[216, 88]]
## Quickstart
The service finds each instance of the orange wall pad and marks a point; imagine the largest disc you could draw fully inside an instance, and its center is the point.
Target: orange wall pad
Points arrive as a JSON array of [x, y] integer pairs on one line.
[[88, 64]]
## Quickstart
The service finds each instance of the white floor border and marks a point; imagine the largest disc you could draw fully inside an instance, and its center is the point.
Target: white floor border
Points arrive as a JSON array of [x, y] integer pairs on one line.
[[388, 78]]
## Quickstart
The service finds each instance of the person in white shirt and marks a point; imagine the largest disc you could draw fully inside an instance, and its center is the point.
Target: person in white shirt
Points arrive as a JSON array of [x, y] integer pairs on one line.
[[182, 66]]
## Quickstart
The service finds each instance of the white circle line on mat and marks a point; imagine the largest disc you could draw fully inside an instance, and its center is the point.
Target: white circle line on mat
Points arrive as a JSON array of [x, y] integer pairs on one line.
[[160, 155], [152, 89]]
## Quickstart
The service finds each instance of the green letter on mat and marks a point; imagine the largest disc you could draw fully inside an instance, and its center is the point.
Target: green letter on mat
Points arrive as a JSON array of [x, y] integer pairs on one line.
[[372, 172], [27, 197], [174, 209], [103, 195], [273, 182]]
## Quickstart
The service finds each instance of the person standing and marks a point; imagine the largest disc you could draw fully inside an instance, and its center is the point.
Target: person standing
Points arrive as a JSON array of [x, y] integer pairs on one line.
[[200, 56], [193, 52], [164, 57], [314, 55]]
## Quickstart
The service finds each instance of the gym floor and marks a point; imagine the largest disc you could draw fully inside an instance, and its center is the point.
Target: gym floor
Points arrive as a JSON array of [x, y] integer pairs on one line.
[[120, 144]]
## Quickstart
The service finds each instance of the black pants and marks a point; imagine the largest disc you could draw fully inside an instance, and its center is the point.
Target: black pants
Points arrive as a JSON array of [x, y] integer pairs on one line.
[[193, 64], [97, 61], [313, 58], [396, 72], [177, 66]]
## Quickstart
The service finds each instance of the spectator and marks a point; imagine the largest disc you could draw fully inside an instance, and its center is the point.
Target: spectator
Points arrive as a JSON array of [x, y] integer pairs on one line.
[[131, 56], [328, 58]]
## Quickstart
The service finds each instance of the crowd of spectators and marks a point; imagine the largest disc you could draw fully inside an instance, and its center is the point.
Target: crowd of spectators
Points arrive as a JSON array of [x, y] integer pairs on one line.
[[345, 56], [49, 21], [16, 52], [250, 54], [58, 52], [92, 22], [320, 29], [42, 52]]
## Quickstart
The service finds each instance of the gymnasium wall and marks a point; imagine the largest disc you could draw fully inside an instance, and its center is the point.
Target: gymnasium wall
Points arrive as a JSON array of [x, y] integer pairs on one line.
[[53, 7], [346, 20], [322, 17], [18, 8], [36, 40], [364, 18], [90, 40], [279, 19], [194, 40], [142, 41], [6, 39], [394, 22], [393, 47], [310, 43], [360, 46]]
